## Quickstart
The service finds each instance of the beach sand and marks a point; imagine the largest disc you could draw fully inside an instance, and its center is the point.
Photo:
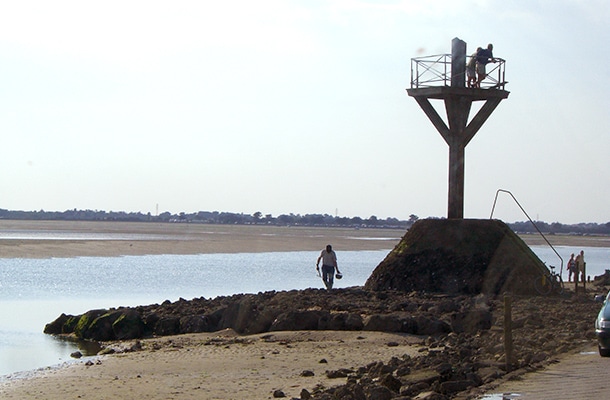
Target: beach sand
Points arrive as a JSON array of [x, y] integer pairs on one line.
[[41, 239], [219, 365]]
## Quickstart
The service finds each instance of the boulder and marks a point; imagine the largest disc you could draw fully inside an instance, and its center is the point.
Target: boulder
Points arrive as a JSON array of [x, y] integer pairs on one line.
[[344, 321], [101, 328], [167, 326], [56, 327], [431, 326], [129, 325], [378, 392], [471, 321], [299, 320], [382, 323], [194, 324], [81, 330]]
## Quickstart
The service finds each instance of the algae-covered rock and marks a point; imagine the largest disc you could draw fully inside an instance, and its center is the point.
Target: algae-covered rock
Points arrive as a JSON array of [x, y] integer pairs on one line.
[[129, 325], [56, 327], [101, 327], [81, 330]]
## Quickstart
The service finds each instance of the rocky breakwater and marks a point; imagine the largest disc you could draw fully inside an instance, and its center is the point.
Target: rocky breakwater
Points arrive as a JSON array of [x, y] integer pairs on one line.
[[460, 336], [310, 309]]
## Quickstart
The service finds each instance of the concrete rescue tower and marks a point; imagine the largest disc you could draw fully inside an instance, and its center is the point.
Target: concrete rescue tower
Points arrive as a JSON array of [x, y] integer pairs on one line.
[[443, 77], [457, 255]]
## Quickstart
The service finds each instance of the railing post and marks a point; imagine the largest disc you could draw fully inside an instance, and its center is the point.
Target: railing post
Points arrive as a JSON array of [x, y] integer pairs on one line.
[[508, 331], [458, 63]]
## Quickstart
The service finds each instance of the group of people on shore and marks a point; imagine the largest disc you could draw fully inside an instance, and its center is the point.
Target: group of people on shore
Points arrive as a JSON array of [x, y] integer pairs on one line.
[[475, 68], [577, 267]]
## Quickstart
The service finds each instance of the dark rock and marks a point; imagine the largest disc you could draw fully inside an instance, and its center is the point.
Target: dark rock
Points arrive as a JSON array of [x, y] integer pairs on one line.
[[278, 394], [150, 320], [414, 389], [298, 320], [81, 330], [351, 391], [339, 373], [379, 369], [378, 392], [305, 395], [451, 387], [58, 326], [382, 323], [129, 325], [239, 314], [194, 324], [403, 370], [471, 321], [408, 325], [344, 322], [391, 382], [101, 327], [429, 326], [76, 354], [430, 396], [167, 326], [444, 369], [307, 372]]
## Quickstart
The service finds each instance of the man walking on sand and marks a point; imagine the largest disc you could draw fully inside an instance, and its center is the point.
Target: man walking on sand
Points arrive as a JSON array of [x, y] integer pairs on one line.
[[329, 265]]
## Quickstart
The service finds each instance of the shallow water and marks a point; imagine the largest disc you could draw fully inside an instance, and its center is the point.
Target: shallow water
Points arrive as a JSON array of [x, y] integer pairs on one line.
[[33, 292]]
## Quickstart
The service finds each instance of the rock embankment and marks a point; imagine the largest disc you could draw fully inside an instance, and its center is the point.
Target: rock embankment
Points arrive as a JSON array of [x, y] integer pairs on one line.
[[310, 309], [462, 347]]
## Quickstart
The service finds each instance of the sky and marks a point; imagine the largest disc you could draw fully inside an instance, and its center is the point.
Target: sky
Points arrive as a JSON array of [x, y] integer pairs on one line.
[[297, 106]]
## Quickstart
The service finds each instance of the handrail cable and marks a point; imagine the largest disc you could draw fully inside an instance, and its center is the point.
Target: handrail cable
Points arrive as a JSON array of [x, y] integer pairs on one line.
[[533, 223]]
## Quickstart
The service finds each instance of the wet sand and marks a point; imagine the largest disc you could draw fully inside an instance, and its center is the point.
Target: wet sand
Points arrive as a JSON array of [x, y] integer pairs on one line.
[[221, 365], [105, 239]]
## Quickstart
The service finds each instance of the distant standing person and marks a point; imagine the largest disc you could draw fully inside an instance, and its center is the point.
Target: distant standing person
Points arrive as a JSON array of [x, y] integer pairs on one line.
[[580, 266], [484, 57], [571, 268], [329, 265], [471, 71]]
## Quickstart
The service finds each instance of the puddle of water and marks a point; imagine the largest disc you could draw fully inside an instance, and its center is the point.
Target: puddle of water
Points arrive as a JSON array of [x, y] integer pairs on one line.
[[588, 353], [500, 396]]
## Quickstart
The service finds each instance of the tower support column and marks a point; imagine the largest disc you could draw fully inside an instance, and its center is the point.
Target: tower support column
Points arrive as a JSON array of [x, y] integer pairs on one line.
[[457, 131]]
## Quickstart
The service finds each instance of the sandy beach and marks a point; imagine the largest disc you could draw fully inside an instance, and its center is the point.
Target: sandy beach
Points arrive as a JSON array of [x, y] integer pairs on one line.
[[106, 239], [131, 238], [219, 365]]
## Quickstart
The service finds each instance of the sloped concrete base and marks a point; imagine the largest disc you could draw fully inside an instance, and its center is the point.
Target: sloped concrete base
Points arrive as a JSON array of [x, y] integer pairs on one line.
[[459, 256]]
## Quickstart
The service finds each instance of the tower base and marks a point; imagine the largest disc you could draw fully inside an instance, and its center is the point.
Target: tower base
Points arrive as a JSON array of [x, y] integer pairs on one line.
[[459, 256]]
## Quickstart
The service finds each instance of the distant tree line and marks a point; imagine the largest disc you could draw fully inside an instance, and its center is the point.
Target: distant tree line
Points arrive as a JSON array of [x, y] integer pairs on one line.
[[210, 217], [258, 218]]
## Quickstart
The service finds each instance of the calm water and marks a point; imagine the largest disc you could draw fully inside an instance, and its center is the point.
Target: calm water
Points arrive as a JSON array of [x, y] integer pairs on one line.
[[34, 292]]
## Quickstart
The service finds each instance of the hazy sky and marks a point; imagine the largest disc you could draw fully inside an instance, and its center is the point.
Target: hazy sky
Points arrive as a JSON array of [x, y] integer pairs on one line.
[[296, 106]]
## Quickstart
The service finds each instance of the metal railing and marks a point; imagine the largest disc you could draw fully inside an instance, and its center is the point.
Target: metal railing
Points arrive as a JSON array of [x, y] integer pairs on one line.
[[532, 222], [434, 71]]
